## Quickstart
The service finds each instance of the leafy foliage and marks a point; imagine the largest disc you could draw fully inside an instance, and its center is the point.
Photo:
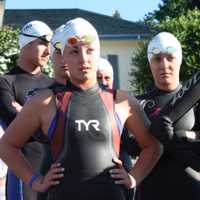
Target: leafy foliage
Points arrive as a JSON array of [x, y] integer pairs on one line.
[[48, 69], [140, 73], [116, 14], [172, 9], [9, 48]]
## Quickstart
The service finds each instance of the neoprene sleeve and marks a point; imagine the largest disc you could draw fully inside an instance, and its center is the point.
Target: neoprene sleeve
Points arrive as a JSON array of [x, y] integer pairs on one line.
[[175, 149], [185, 98]]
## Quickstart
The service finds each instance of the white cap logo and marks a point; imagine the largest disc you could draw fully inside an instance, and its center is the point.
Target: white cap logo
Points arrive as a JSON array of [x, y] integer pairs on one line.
[[78, 30]]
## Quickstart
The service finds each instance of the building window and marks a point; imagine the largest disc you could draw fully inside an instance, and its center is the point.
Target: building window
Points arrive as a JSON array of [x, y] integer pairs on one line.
[[113, 59]]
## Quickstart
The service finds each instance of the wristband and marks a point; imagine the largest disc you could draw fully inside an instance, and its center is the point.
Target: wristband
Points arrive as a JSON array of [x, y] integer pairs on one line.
[[33, 178]]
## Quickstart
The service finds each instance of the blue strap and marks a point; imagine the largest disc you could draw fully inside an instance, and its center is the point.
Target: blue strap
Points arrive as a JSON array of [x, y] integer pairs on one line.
[[33, 178]]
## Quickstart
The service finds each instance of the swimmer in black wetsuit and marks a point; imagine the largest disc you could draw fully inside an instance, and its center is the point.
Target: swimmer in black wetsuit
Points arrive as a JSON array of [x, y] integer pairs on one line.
[[82, 130], [61, 72], [172, 178], [14, 88], [61, 75]]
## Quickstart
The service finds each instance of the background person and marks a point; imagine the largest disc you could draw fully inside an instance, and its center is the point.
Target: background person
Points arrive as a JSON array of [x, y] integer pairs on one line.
[[61, 75], [34, 41], [87, 151], [105, 74], [170, 178], [61, 72]]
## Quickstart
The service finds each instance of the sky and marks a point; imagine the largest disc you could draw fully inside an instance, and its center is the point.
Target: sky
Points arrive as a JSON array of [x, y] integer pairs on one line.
[[131, 10]]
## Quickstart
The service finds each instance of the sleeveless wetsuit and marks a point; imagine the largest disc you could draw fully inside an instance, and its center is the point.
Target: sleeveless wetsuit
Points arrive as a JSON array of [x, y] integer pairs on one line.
[[15, 86], [88, 149], [168, 180]]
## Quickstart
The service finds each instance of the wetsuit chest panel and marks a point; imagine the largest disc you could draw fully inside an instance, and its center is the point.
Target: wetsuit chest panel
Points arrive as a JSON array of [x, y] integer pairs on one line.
[[89, 150], [154, 102], [25, 82]]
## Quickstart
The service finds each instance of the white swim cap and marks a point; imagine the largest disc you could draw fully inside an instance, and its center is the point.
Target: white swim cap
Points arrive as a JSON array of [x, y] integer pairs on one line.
[[104, 65], [56, 38], [34, 30], [164, 42], [78, 30]]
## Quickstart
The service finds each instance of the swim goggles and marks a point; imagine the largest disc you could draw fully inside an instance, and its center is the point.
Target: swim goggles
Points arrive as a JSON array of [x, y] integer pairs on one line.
[[167, 50], [45, 38]]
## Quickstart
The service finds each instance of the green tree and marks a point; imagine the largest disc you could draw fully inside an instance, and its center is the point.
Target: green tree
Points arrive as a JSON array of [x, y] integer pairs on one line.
[[172, 8], [140, 73], [9, 48], [186, 28], [116, 14], [48, 69]]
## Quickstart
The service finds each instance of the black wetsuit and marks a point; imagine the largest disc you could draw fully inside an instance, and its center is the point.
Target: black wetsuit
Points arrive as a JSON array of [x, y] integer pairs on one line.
[[87, 150], [128, 150], [15, 86], [168, 180]]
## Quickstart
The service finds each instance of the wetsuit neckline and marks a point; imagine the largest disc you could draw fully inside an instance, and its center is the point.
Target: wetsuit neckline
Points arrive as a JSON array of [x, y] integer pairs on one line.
[[163, 92], [19, 70], [90, 91]]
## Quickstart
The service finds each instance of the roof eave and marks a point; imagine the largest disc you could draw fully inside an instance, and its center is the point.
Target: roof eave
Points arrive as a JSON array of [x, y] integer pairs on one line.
[[124, 36]]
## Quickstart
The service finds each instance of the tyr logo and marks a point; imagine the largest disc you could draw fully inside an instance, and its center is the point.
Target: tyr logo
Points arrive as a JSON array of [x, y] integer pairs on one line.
[[82, 123]]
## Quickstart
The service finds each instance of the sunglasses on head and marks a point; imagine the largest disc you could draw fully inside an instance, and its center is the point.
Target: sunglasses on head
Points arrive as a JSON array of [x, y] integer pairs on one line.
[[45, 38]]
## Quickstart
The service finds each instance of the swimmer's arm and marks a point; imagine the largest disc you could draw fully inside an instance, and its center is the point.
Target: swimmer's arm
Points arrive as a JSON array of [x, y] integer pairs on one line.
[[151, 149], [17, 134], [15, 137]]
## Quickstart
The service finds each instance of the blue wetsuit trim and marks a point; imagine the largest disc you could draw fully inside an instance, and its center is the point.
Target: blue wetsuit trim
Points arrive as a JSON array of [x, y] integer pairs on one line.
[[14, 187], [53, 126], [119, 123], [33, 178]]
